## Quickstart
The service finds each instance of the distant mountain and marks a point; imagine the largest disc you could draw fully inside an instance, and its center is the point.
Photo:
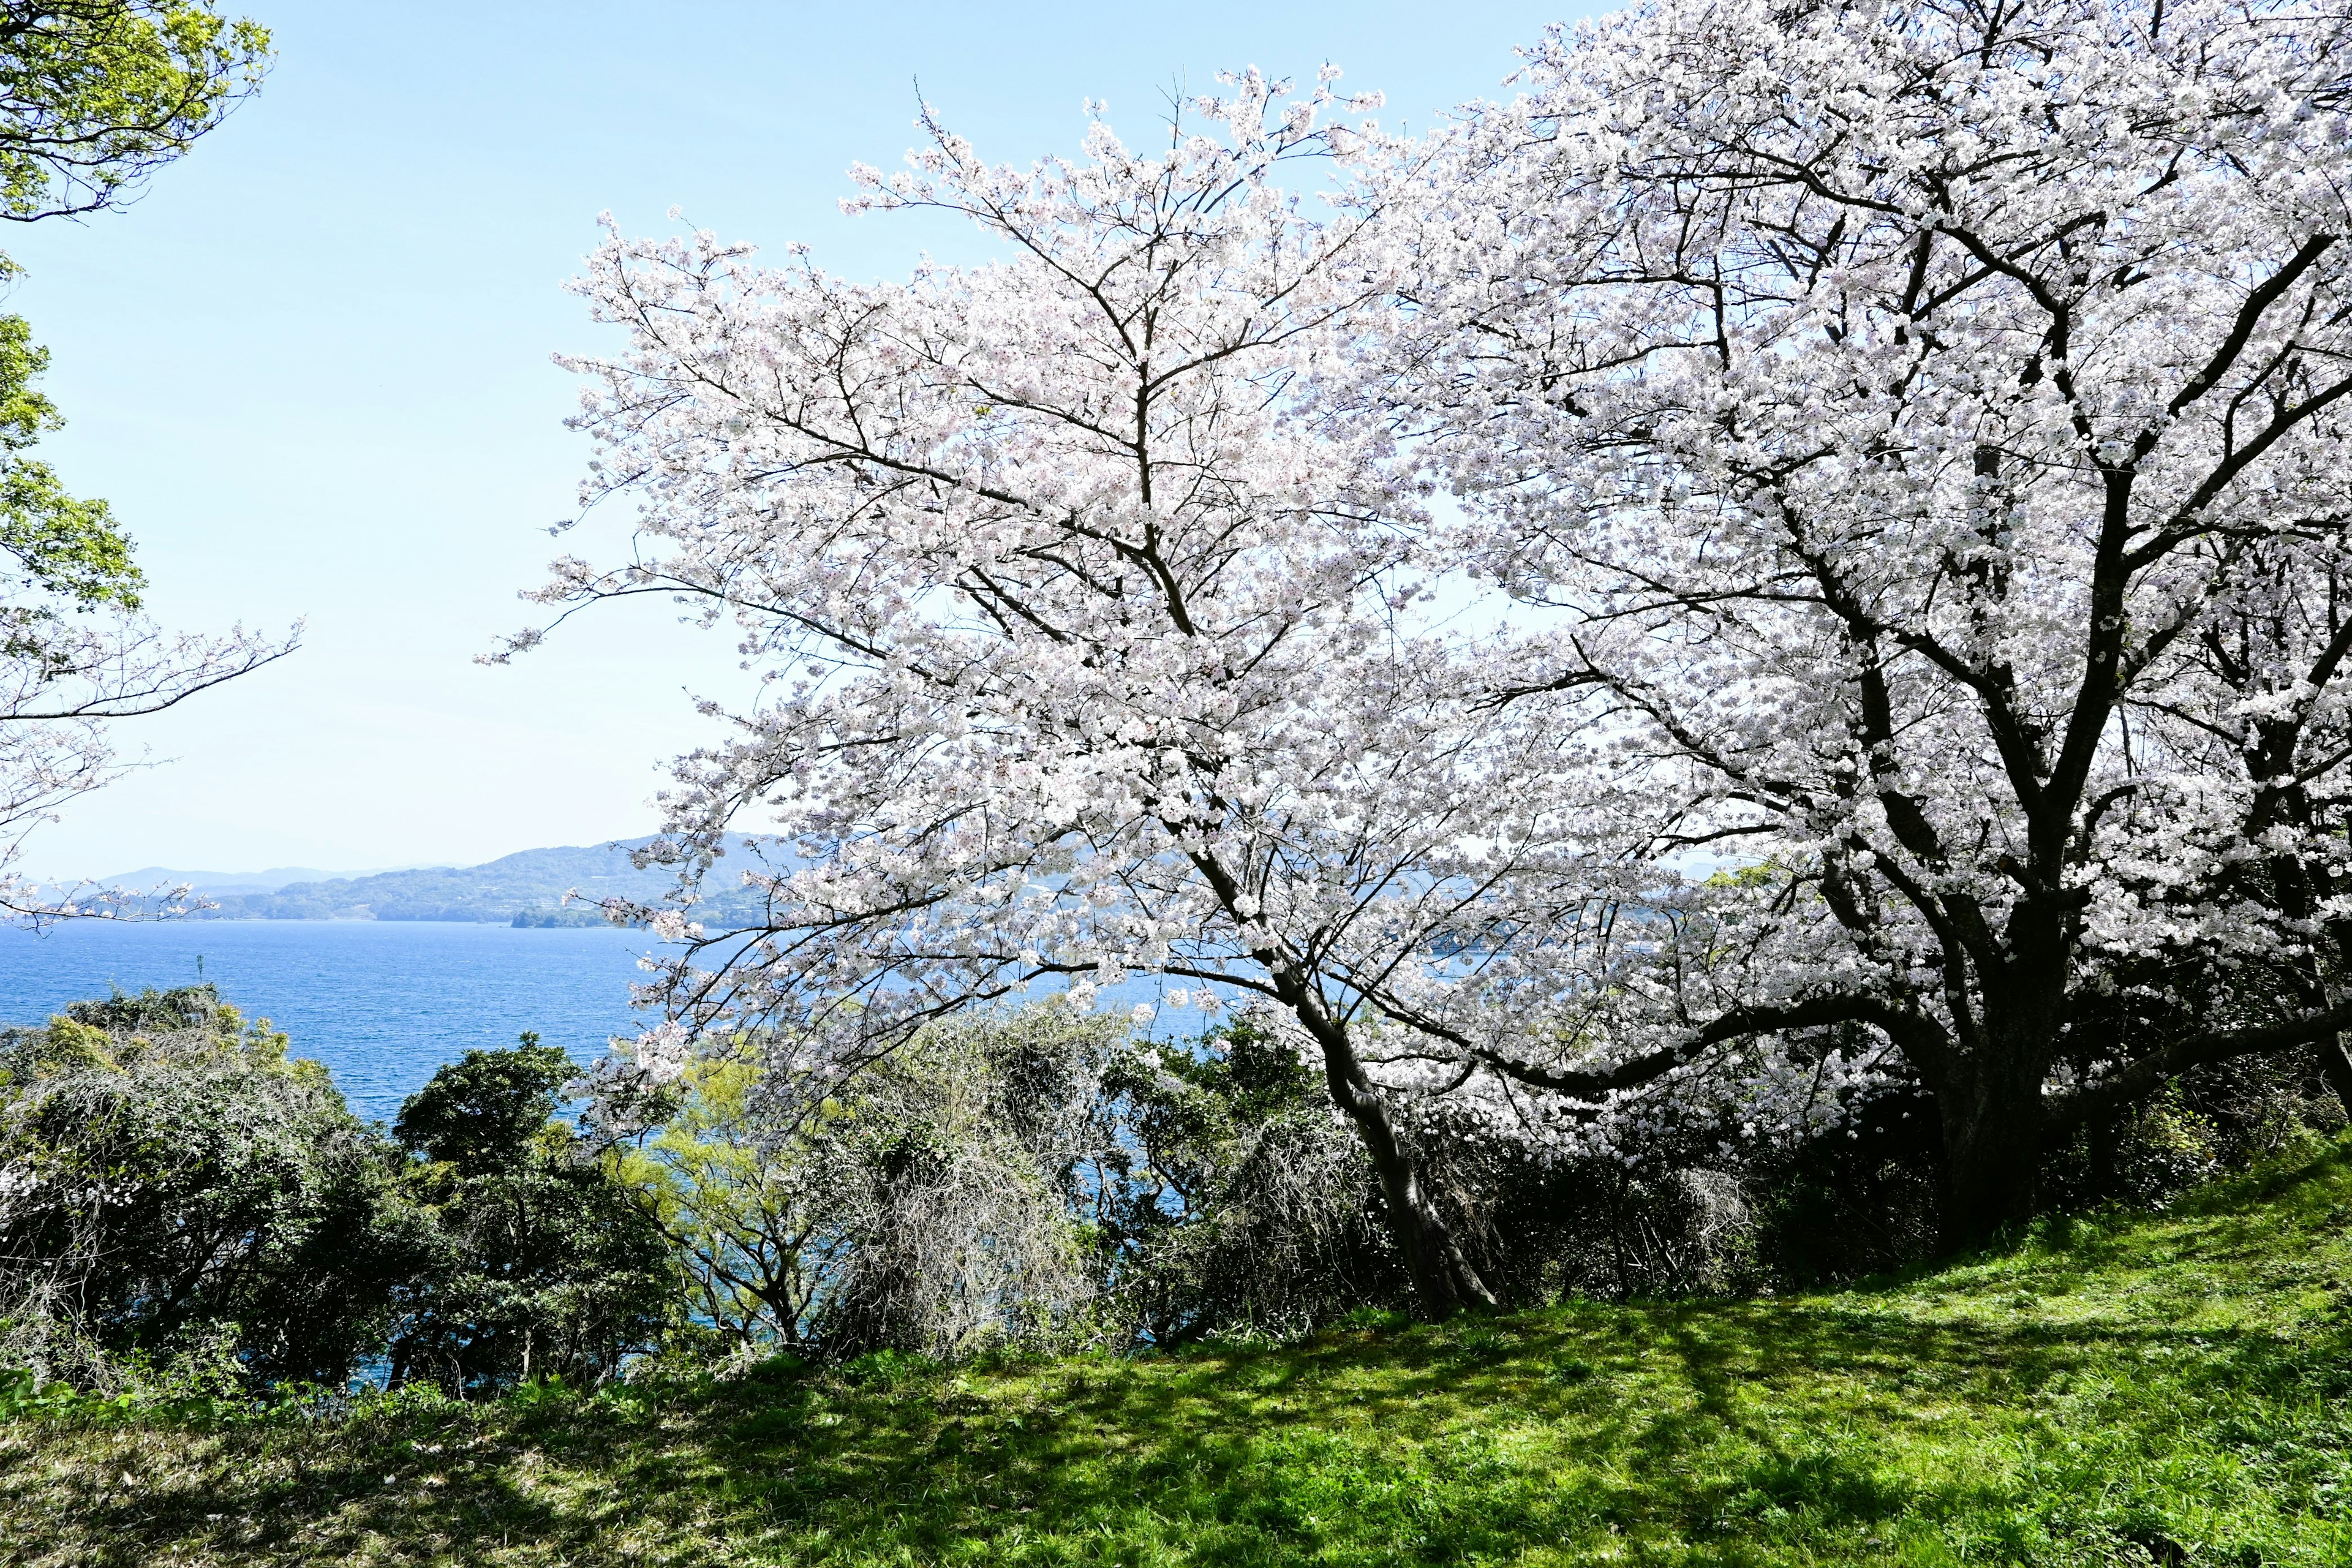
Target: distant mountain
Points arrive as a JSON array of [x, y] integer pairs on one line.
[[523, 889], [267, 881]]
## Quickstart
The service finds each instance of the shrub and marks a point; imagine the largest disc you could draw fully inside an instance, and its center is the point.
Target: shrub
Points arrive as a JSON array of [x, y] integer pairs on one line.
[[1027, 1177], [948, 1189], [173, 1189], [1237, 1202]]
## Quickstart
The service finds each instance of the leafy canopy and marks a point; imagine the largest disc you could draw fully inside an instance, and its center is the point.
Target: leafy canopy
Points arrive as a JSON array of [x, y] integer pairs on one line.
[[481, 1112], [59, 545], [94, 96], [97, 94]]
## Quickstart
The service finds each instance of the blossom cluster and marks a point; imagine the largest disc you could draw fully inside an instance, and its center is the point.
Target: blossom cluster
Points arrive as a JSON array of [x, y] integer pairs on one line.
[[1802, 551]]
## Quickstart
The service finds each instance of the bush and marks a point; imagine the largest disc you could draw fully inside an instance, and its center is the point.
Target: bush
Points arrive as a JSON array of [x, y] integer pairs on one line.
[[1033, 1177], [1236, 1202], [174, 1189], [2220, 1117], [187, 1214], [948, 1188], [1855, 1203]]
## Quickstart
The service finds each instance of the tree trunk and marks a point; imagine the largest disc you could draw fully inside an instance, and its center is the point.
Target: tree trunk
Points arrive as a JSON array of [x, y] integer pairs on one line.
[[1991, 1113], [2336, 1067], [1617, 1232], [2103, 1130], [1444, 1281]]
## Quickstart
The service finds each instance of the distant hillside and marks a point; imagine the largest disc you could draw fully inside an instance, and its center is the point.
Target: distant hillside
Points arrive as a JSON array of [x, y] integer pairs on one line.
[[523, 889], [267, 881]]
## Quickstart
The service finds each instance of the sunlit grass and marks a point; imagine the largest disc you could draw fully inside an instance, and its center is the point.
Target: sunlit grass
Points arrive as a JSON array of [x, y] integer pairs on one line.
[[2110, 1393]]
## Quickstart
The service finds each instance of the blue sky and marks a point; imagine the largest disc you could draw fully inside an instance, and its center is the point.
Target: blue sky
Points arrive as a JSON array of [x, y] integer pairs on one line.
[[310, 368]]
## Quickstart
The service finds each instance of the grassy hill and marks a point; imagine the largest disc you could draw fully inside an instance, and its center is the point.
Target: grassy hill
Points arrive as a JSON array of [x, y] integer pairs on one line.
[[2165, 1389]]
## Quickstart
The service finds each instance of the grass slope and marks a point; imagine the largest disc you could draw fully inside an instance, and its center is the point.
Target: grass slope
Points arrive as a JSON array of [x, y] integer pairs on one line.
[[2153, 1390]]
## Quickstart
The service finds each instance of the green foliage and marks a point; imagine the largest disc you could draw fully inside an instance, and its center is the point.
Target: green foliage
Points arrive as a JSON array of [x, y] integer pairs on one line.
[[2133, 1391], [62, 546], [175, 1189], [63, 549], [97, 94], [1849, 1206], [482, 1113], [949, 1187], [1026, 1178], [936, 1205], [1234, 1202], [541, 1263], [886, 1369], [2217, 1118], [742, 1211], [23, 1392], [187, 1214], [94, 96], [1374, 1321]]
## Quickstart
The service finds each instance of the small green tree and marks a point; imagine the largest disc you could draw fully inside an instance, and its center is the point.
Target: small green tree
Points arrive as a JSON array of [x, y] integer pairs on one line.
[[740, 1208], [542, 1263], [95, 95]]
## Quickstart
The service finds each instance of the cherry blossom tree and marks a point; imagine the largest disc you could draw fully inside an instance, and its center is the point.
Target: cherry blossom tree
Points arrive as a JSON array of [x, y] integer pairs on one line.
[[1923, 427], [1093, 640], [2265, 718]]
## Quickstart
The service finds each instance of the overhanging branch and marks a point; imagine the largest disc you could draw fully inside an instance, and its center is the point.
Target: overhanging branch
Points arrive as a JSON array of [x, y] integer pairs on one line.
[[2064, 1112]]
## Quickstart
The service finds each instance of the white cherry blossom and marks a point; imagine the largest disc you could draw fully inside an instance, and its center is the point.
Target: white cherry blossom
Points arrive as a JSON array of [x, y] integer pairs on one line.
[[1923, 426]]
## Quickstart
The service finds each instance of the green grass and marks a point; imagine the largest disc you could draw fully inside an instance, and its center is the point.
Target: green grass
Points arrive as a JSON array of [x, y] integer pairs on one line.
[[2117, 1392]]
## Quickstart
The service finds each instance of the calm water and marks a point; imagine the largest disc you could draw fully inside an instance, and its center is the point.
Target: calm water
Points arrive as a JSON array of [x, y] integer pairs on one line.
[[381, 1003]]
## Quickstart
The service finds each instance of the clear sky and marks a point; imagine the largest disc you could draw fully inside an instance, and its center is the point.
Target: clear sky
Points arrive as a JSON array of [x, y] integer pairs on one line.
[[310, 368]]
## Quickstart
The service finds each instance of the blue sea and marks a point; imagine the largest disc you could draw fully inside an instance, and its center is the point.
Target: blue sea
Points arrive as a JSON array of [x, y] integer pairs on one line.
[[381, 1003]]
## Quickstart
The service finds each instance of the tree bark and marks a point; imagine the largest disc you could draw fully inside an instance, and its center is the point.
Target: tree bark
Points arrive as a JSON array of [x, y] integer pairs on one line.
[[2336, 1067], [1992, 1129], [1444, 1281]]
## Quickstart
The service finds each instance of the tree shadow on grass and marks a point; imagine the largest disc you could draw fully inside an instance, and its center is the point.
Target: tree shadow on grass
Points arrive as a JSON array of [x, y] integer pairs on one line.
[[1708, 1428], [1705, 1423]]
